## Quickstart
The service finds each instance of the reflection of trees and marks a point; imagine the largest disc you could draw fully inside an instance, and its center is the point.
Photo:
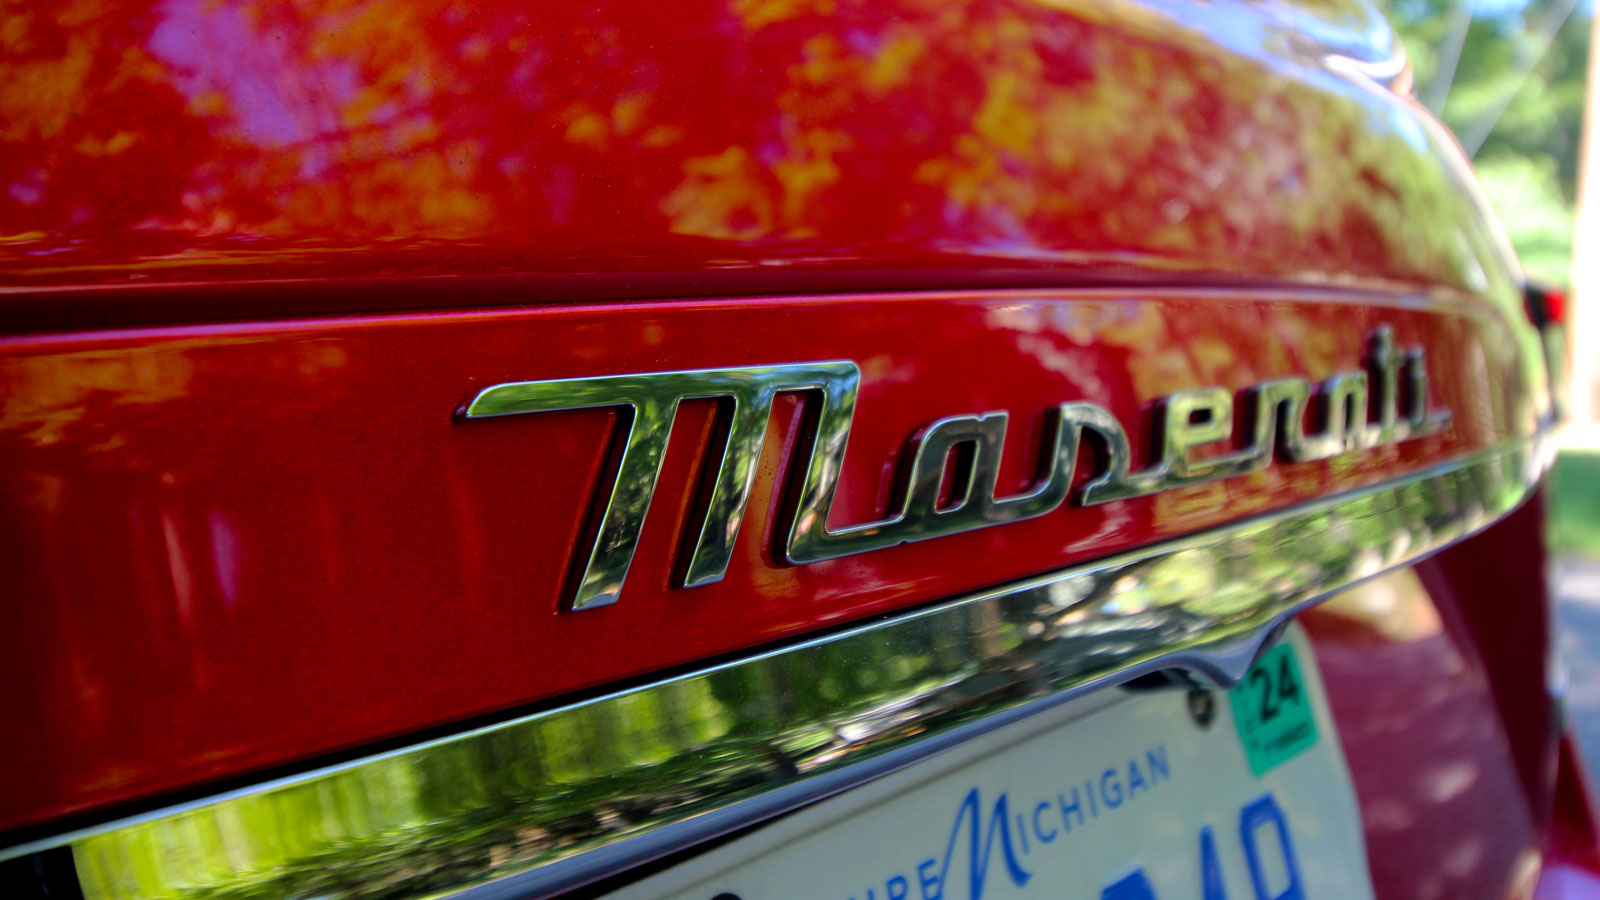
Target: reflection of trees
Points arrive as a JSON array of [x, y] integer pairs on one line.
[[545, 788], [523, 793], [573, 132]]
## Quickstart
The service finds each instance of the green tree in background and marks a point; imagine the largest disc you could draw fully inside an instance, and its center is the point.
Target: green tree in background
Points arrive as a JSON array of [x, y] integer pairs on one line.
[[1509, 77]]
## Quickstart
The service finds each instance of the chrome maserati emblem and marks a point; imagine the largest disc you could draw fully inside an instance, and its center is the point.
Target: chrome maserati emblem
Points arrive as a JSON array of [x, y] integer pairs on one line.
[[1397, 381]]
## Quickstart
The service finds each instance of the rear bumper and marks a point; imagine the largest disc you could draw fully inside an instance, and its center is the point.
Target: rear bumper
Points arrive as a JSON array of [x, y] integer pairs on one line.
[[553, 799]]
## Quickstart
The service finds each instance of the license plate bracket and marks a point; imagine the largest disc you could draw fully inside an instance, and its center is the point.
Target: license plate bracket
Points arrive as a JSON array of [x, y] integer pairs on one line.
[[1121, 795]]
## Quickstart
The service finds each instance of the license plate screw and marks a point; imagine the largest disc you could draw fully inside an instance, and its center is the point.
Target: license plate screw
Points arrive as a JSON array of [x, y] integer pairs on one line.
[[1202, 707]]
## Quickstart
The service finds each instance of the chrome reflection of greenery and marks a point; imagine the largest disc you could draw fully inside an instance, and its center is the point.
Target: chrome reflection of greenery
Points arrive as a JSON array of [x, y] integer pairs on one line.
[[515, 796], [510, 797]]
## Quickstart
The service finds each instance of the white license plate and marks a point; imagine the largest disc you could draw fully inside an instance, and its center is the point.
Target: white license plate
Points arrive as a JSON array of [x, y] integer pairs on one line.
[[1119, 796]]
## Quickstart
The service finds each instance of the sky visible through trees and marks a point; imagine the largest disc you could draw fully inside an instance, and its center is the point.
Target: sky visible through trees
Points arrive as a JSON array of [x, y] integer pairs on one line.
[[1509, 78]]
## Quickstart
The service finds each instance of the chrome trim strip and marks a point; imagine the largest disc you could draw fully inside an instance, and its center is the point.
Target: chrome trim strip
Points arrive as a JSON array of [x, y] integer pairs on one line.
[[561, 797]]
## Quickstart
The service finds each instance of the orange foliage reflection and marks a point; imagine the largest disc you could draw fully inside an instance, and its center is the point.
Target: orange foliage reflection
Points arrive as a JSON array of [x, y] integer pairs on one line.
[[441, 136]]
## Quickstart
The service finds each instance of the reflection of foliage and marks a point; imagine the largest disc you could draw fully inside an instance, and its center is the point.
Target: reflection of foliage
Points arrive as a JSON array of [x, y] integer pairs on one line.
[[1528, 161], [77, 102], [529, 793], [1575, 504], [1535, 208], [1096, 130], [541, 789]]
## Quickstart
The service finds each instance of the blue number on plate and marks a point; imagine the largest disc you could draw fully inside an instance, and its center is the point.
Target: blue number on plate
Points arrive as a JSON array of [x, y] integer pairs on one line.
[[1132, 886], [1257, 814], [1210, 867]]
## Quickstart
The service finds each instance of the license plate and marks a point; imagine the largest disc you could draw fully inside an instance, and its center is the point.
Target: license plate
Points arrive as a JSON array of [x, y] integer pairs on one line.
[[1119, 796]]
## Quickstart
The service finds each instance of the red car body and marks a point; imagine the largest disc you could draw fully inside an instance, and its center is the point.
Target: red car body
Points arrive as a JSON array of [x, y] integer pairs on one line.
[[256, 257]]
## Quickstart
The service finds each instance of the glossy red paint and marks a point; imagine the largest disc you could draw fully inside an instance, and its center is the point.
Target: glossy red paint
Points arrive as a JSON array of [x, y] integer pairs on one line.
[[1574, 837], [239, 546], [1428, 750], [639, 148], [232, 547], [1437, 679], [1497, 590]]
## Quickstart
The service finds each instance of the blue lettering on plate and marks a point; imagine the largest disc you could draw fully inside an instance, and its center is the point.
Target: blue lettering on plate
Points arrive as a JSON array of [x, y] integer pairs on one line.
[[1006, 830], [1135, 780], [927, 879], [1044, 837], [1156, 759], [981, 842], [1113, 793], [1068, 810]]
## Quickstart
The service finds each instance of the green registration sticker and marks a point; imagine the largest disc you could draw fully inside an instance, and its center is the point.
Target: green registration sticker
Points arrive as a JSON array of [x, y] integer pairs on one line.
[[1271, 710]]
